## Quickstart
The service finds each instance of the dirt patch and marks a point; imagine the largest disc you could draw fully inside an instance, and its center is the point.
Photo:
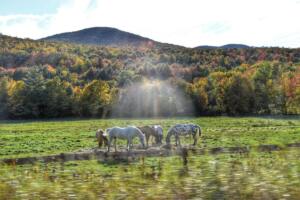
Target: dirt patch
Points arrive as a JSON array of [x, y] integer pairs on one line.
[[161, 151], [293, 145], [269, 147]]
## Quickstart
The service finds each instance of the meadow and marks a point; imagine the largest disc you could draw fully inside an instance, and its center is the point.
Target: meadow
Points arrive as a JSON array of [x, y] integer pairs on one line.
[[252, 175], [35, 138]]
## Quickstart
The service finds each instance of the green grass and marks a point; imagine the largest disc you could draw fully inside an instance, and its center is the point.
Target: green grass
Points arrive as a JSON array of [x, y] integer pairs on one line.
[[256, 175], [32, 138]]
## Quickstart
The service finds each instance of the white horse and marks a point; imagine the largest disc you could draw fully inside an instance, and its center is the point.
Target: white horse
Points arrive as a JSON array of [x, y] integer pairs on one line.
[[127, 133], [183, 130]]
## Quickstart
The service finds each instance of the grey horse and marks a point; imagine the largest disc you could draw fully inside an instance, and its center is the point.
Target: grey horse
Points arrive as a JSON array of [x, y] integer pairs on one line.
[[183, 130]]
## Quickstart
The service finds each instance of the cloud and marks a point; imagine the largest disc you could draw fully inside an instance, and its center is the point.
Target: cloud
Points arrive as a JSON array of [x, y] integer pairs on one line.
[[189, 23], [23, 25]]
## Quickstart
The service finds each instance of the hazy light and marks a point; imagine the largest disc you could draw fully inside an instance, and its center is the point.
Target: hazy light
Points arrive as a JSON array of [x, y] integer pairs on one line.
[[152, 98], [150, 84]]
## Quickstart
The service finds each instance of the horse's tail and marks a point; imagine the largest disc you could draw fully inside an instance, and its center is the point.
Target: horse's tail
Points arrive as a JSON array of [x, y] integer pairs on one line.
[[199, 130]]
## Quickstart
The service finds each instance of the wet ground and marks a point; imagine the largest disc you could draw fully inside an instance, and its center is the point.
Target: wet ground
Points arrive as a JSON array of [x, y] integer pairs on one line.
[[161, 151]]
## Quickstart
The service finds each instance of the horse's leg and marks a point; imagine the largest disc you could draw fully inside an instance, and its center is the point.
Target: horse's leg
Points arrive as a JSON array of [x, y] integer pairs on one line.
[[151, 139], [100, 142], [108, 145], [115, 141], [147, 139], [176, 140], [195, 139], [154, 139], [128, 145], [179, 142]]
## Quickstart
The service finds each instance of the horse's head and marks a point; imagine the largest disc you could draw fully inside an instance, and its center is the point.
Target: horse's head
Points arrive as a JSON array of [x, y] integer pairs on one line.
[[168, 138], [142, 137], [143, 129], [101, 138]]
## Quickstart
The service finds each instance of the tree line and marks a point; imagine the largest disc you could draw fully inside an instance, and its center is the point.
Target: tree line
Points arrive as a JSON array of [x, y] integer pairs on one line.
[[44, 79]]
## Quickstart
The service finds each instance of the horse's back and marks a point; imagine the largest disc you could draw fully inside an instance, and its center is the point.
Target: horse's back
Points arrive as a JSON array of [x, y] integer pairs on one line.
[[158, 129], [118, 132], [131, 131], [183, 129], [132, 128]]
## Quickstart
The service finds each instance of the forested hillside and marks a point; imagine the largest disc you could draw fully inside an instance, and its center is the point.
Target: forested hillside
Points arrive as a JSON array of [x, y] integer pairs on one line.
[[100, 36], [40, 79]]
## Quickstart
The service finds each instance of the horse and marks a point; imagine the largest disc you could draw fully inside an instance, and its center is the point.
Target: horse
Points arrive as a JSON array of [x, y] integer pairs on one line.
[[159, 133], [101, 138], [155, 131], [127, 133], [183, 130]]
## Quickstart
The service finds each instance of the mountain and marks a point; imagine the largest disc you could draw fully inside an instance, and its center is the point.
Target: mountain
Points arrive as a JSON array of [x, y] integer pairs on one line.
[[206, 47], [100, 36], [114, 37], [235, 46], [227, 46]]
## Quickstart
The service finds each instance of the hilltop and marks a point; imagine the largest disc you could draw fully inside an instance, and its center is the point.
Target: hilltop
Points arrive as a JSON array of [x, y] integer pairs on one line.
[[100, 36]]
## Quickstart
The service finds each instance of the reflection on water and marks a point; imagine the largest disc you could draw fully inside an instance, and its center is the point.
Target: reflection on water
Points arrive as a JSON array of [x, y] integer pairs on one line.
[[255, 175]]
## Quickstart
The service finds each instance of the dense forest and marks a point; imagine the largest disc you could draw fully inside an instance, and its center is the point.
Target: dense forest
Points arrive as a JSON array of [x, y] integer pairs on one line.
[[43, 79]]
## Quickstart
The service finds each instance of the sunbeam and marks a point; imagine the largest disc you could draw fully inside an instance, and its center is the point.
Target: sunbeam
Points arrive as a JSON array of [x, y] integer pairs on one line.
[[152, 98]]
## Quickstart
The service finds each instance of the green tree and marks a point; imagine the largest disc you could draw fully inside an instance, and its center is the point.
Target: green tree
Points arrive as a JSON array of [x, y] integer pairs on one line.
[[260, 80], [96, 99], [3, 97], [16, 100], [238, 96], [58, 102]]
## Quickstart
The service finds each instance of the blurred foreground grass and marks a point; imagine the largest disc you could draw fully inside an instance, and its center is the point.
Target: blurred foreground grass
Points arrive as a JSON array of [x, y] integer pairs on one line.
[[274, 175]]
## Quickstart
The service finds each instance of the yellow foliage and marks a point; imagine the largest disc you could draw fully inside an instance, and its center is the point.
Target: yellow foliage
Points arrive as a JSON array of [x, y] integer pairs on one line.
[[15, 86]]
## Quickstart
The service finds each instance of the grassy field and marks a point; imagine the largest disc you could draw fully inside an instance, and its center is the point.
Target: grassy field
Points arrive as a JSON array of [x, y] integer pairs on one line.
[[254, 175], [32, 138]]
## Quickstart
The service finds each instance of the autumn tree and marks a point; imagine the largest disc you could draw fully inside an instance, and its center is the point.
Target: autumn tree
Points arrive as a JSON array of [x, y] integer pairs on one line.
[[200, 95], [16, 100], [3, 97], [96, 99], [238, 97]]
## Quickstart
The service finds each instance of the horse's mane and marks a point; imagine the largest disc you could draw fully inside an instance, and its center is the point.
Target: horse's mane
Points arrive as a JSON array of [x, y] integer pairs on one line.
[[140, 133]]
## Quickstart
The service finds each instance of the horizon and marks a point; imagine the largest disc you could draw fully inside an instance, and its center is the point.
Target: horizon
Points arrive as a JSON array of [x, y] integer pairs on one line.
[[217, 23]]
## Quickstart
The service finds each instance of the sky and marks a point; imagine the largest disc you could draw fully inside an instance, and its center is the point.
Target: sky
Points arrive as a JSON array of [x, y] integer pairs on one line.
[[188, 23]]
